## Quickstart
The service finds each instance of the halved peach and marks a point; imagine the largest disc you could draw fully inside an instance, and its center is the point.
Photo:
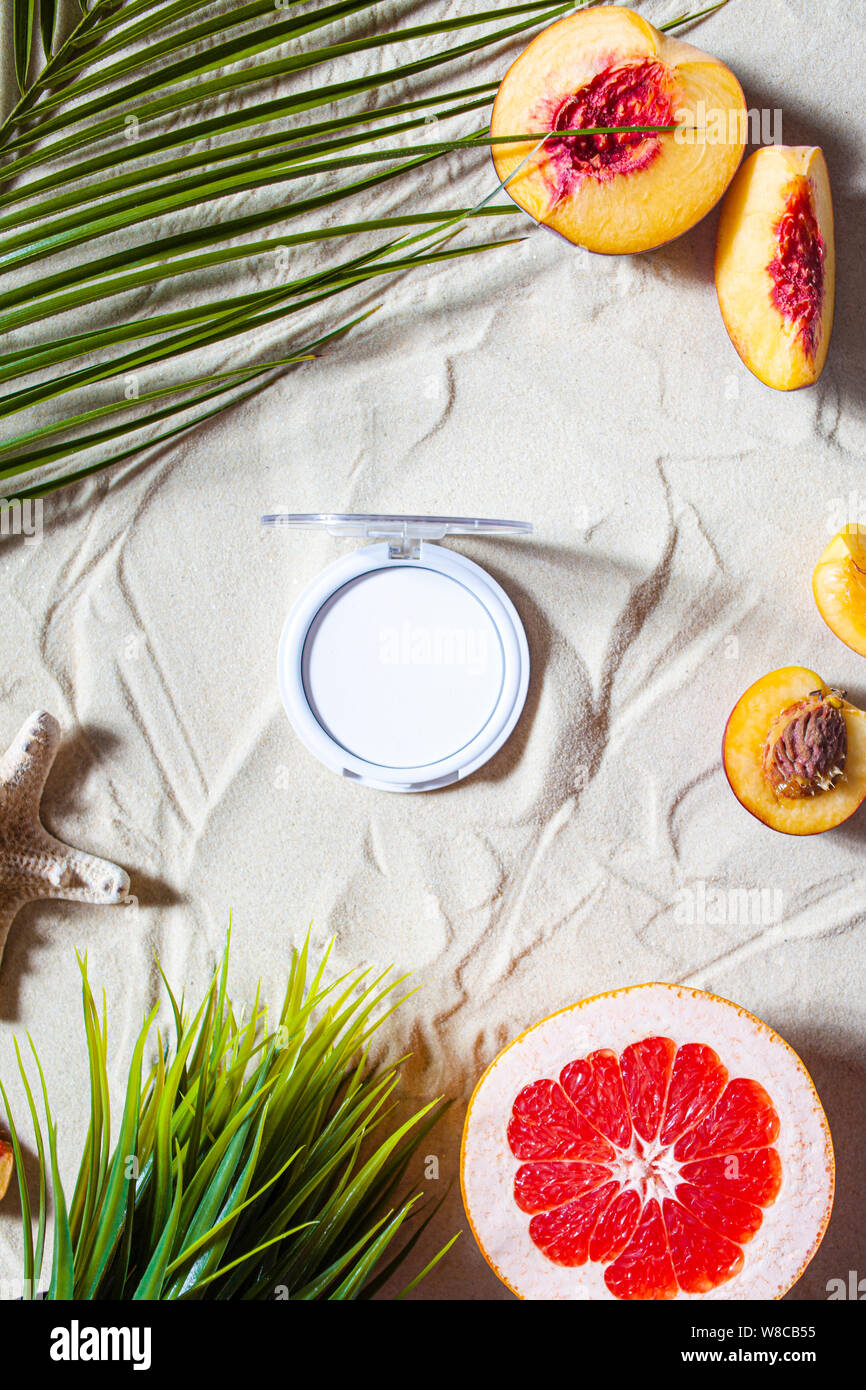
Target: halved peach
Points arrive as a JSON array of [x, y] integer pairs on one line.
[[794, 752], [627, 192], [776, 264], [839, 586], [7, 1163]]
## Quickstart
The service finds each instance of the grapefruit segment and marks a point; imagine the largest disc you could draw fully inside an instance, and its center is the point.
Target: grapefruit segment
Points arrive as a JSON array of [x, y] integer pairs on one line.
[[642, 1171], [756, 1176], [683, 1108], [701, 1259], [697, 1080], [724, 1213], [544, 1124], [541, 1186], [616, 1227], [563, 1234], [744, 1118], [644, 1270], [594, 1086], [646, 1070]]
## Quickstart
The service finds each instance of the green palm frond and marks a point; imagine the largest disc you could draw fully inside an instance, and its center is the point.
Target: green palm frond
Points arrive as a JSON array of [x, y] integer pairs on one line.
[[169, 155], [250, 1162]]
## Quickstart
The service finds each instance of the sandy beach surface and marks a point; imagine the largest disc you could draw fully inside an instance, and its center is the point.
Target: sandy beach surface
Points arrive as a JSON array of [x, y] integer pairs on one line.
[[679, 507]]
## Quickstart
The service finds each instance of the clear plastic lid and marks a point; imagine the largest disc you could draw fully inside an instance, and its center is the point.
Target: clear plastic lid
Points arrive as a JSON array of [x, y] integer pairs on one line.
[[374, 526]]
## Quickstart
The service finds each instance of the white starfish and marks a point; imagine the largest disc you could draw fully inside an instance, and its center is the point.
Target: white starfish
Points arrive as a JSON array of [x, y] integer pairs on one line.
[[33, 864]]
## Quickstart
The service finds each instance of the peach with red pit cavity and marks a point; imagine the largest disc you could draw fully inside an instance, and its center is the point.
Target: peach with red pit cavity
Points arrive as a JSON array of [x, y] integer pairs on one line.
[[627, 191], [776, 265]]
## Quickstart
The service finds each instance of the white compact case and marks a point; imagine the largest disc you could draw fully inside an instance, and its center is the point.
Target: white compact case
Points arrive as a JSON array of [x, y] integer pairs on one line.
[[403, 666]]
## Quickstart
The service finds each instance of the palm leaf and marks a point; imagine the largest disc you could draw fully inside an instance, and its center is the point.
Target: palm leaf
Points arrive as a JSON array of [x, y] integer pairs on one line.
[[121, 129], [46, 25], [22, 36]]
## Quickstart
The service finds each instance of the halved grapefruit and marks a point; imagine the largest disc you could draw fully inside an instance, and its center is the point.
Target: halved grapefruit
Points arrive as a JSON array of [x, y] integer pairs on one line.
[[652, 1143]]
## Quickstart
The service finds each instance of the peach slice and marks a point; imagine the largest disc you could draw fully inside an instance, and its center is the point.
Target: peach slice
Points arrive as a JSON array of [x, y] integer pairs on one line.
[[839, 586], [7, 1162], [628, 192], [776, 264], [794, 752]]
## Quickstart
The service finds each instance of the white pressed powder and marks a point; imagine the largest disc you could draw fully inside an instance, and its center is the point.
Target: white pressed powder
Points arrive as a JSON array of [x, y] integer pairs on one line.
[[402, 666]]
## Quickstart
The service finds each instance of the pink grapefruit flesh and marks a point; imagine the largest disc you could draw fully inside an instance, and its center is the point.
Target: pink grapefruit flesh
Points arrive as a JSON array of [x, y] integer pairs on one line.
[[654, 1166]]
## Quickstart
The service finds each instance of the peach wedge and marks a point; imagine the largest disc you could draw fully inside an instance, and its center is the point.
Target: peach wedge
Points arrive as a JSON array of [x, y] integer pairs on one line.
[[776, 264], [794, 752], [7, 1164], [839, 586], [626, 192]]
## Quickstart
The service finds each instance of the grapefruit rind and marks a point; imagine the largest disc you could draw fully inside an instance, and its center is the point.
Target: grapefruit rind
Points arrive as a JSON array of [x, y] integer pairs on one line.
[[792, 1228]]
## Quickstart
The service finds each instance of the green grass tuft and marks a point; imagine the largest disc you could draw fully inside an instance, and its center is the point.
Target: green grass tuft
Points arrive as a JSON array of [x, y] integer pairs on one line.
[[252, 1162]]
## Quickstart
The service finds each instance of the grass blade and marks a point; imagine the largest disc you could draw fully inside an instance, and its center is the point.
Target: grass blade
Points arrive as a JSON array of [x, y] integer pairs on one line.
[[114, 1198], [152, 1281], [24, 1196], [63, 1265]]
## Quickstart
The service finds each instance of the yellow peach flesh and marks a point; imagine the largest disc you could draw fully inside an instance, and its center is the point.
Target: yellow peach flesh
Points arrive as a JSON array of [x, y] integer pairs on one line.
[[746, 731], [686, 171], [839, 586], [7, 1163], [854, 536], [772, 346]]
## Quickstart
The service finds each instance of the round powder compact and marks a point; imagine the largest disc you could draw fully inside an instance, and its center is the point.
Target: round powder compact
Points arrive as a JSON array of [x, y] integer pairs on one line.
[[403, 665]]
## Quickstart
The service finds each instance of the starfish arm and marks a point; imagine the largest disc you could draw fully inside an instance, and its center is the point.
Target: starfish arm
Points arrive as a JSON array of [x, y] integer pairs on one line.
[[10, 901], [33, 863], [23, 773], [75, 875]]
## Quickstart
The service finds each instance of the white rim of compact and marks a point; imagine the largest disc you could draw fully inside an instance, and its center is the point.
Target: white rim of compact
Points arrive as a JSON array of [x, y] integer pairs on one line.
[[403, 543]]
